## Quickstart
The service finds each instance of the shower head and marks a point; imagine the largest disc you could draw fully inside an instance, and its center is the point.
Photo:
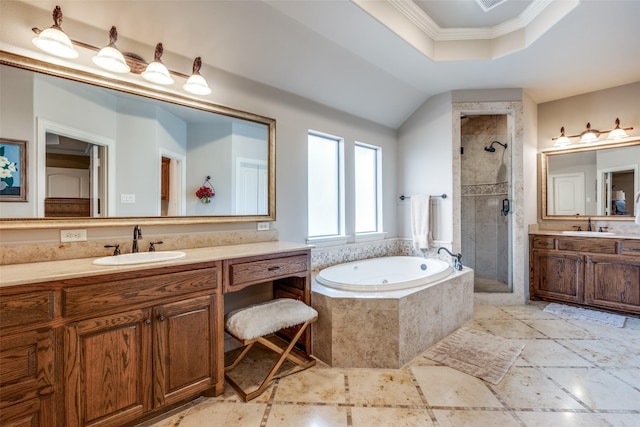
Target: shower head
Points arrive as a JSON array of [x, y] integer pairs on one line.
[[491, 149]]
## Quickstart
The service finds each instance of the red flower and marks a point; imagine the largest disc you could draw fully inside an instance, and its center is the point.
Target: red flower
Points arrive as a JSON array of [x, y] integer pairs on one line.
[[205, 191]]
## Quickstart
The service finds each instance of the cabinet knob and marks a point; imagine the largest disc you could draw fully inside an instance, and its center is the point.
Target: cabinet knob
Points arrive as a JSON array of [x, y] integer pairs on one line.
[[147, 321], [161, 318]]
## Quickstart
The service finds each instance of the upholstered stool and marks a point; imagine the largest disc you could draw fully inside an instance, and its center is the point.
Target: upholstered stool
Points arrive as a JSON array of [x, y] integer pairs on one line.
[[253, 324]]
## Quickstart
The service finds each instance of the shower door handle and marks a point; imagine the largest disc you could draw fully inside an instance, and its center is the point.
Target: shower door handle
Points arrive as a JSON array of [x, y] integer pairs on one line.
[[506, 207]]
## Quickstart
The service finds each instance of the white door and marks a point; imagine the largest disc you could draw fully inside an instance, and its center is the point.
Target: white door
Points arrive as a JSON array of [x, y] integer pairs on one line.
[[251, 187], [567, 195]]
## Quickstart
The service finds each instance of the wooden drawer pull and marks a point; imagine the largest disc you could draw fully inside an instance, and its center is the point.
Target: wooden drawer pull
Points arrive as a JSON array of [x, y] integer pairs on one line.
[[161, 318], [147, 321], [273, 268]]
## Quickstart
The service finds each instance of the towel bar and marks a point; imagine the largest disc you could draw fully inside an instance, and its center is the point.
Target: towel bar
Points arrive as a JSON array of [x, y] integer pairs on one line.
[[443, 196]]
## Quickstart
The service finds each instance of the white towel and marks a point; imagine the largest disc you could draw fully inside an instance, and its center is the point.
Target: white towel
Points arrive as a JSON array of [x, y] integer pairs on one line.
[[420, 221], [636, 207]]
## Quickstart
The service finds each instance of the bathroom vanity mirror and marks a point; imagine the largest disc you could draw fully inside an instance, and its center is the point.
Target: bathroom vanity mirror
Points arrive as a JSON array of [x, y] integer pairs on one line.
[[595, 181], [110, 152]]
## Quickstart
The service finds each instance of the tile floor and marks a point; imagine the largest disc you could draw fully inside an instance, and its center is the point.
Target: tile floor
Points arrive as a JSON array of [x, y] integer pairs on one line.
[[570, 373]]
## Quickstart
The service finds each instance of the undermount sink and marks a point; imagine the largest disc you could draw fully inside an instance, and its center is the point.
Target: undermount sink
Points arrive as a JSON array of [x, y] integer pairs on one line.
[[589, 233], [139, 258]]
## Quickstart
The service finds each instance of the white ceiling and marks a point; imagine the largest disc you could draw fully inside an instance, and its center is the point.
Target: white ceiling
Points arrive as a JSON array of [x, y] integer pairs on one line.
[[337, 54]]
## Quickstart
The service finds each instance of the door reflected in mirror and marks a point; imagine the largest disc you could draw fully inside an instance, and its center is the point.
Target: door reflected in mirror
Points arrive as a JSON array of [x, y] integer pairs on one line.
[[598, 181]]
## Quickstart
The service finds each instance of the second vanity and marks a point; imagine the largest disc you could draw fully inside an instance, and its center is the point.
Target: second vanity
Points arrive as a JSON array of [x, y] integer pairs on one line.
[[593, 271], [89, 345]]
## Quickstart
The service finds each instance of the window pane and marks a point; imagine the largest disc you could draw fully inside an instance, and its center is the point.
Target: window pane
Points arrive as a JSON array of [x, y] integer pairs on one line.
[[366, 173], [324, 186]]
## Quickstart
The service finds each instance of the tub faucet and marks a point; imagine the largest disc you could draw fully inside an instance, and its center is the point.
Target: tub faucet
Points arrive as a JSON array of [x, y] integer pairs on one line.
[[457, 264], [137, 234]]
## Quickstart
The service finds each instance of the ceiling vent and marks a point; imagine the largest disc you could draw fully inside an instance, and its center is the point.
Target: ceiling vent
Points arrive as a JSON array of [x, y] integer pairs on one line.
[[487, 5]]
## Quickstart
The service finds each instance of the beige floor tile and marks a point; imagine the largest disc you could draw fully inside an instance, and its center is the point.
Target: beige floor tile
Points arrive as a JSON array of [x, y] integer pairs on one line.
[[564, 419], [489, 312], [443, 386], [548, 353], [510, 328], [630, 376], [306, 415], [596, 388], [382, 387], [559, 329], [228, 414], [464, 418], [603, 353], [385, 417], [622, 420], [528, 388], [313, 385], [528, 311]]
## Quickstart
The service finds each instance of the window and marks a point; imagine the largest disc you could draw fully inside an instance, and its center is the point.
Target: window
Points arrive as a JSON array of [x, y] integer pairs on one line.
[[325, 185], [367, 186]]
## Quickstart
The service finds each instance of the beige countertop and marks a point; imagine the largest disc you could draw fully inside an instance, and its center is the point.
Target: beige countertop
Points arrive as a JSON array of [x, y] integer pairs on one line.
[[36, 272], [594, 235]]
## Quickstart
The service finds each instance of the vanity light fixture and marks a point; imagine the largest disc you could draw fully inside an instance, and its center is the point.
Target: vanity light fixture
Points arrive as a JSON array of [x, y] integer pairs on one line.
[[618, 132], [562, 140], [196, 84], [590, 135], [156, 72], [53, 40], [109, 57]]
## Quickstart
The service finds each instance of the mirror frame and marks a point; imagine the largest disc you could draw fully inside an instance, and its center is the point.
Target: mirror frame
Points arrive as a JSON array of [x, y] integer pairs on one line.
[[81, 76], [543, 167]]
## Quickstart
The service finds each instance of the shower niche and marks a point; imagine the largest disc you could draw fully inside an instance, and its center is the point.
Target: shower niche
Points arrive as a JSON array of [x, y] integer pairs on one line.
[[485, 160]]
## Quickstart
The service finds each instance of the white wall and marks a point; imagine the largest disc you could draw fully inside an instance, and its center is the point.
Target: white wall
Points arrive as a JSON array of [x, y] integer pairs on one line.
[[425, 162]]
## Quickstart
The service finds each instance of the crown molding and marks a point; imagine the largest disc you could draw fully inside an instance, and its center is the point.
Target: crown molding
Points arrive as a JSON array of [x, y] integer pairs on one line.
[[428, 26]]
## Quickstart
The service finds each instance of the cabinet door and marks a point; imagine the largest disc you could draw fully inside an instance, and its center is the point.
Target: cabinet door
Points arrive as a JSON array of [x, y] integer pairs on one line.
[[557, 275], [613, 282], [185, 353], [108, 369]]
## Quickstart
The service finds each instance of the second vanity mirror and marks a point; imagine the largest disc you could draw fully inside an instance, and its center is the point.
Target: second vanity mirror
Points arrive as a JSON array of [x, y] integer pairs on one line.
[[595, 181], [104, 153]]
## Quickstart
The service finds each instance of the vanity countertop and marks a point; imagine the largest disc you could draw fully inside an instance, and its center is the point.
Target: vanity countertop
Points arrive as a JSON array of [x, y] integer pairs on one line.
[[604, 236], [46, 271]]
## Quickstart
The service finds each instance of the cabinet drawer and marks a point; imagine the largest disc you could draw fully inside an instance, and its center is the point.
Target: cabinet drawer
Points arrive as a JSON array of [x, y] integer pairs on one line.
[[25, 366], [242, 274], [543, 242], [631, 247], [26, 308], [597, 245], [109, 295]]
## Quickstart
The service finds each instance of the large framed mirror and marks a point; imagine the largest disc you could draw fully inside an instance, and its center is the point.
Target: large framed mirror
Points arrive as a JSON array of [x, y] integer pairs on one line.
[[596, 181], [108, 152]]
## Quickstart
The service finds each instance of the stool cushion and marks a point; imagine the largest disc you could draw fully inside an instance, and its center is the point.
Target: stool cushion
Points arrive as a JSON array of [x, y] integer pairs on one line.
[[262, 319]]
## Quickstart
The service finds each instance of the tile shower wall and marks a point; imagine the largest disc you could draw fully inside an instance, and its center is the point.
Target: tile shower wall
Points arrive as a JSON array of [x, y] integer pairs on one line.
[[485, 183]]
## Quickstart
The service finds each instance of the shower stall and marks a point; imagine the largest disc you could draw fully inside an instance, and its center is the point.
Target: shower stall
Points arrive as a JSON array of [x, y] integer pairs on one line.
[[485, 159]]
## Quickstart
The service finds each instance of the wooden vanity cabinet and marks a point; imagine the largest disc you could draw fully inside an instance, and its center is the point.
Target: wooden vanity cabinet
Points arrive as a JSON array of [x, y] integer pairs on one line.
[[596, 272], [162, 350], [27, 368], [557, 275]]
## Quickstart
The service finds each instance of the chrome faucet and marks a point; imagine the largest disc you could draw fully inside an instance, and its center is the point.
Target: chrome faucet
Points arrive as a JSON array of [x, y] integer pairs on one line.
[[457, 264], [137, 234]]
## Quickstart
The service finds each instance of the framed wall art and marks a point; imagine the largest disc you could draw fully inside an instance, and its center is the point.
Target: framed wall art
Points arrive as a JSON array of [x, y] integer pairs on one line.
[[13, 170]]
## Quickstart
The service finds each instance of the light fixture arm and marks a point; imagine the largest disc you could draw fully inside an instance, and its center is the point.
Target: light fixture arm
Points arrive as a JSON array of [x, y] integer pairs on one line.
[[158, 53], [57, 17], [197, 64], [113, 36]]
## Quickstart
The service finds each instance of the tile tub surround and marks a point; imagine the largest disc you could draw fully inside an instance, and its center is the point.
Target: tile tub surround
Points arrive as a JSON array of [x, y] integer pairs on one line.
[[388, 329], [570, 374]]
